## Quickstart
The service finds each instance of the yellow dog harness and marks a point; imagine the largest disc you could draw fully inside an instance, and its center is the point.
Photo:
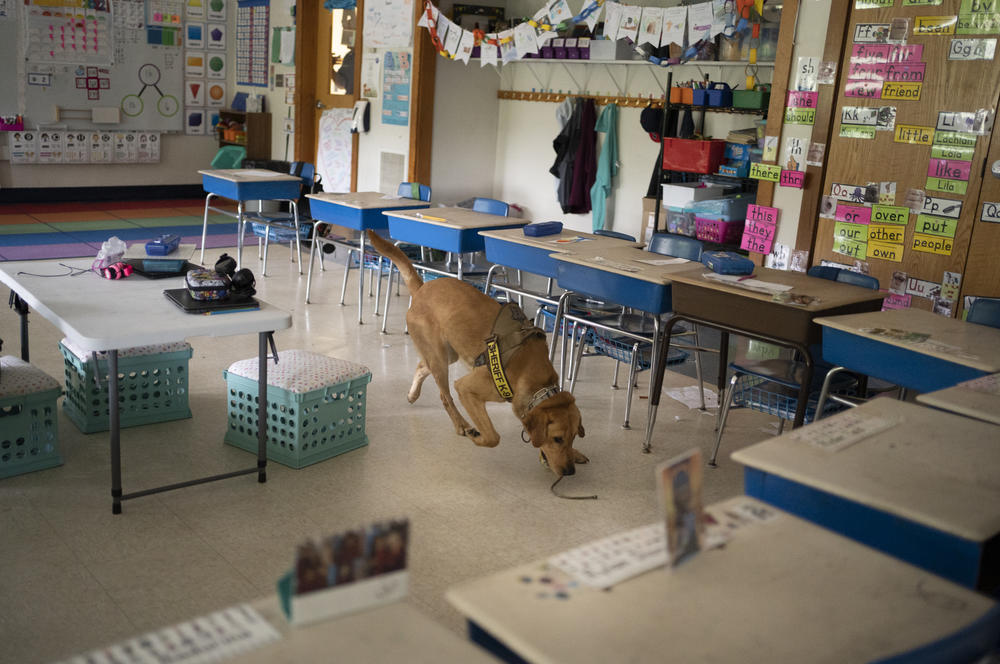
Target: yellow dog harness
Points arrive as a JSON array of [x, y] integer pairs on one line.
[[510, 330]]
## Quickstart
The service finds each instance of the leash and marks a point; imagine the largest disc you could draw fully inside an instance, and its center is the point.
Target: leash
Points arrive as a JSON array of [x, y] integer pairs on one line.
[[553, 490]]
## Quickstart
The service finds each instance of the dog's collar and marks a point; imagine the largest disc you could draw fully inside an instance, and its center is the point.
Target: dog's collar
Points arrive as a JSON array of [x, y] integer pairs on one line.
[[538, 397]]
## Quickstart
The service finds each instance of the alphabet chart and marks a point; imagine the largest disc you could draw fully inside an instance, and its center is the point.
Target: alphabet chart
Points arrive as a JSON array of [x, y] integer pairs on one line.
[[251, 42], [61, 31]]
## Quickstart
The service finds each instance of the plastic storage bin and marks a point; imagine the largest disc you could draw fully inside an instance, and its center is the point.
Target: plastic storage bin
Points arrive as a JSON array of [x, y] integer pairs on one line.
[[281, 232], [316, 407], [152, 385], [717, 95], [29, 433], [692, 156], [680, 220], [718, 230], [681, 95], [727, 209], [756, 99]]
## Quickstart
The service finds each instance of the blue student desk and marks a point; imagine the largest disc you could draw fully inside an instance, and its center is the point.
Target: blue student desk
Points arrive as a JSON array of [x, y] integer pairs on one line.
[[512, 248], [360, 211], [247, 184], [781, 590], [925, 490], [872, 344]]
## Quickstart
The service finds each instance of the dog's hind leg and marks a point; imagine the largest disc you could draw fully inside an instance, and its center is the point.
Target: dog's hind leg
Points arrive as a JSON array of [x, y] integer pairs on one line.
[[475, 405], [419, 376], [436, 357]]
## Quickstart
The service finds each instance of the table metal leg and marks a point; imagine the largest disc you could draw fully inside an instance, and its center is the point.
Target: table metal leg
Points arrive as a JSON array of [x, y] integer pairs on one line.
[[361, 277], [240, 222], [262, 341], [115, 426], [460, 266], [204, 227], [659, 365], [388, 293], [378, 285], [298, 245], [21, 308], [312, 261], [800, 409]]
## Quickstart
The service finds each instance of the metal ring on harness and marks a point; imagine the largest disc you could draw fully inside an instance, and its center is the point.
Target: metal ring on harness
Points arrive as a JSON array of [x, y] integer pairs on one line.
[[523, 439]]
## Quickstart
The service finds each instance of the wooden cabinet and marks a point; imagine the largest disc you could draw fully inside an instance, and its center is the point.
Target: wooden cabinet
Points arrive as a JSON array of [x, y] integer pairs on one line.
[[255, 136]]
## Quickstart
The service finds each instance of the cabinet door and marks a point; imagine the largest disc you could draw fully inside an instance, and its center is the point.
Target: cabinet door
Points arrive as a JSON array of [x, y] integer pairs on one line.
[[908, 87], [982, 270]]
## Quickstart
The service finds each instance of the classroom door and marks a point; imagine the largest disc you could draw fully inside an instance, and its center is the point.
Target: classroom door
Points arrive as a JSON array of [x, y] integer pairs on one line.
[[337, 68], [982, 270], [916, 90]]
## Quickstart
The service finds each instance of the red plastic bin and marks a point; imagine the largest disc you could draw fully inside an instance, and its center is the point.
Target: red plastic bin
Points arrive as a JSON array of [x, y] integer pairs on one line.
[[693, 156], [717, 230]]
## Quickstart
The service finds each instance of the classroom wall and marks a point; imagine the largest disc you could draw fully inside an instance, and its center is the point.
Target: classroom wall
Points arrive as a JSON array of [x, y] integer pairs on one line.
[[381, 138]]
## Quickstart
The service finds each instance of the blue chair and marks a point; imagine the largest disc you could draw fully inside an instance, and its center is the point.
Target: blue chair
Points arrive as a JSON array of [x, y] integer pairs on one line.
[[414, 190], [491, 206], [615, 234], [284, 226], [973, 643], [772, 386], [984, 311]]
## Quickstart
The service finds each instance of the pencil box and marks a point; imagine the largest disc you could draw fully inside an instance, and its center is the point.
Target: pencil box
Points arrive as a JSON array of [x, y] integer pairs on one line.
[[163, 245], [543, 228], [727, 262], [207, 285]]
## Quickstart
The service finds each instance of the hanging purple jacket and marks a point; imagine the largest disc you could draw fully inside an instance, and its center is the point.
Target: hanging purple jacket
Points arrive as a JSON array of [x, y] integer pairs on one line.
[[584, 170]]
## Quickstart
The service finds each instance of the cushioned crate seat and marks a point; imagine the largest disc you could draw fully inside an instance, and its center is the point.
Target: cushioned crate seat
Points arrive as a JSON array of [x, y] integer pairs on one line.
[[29, 434], [315, 407], [152, 385]]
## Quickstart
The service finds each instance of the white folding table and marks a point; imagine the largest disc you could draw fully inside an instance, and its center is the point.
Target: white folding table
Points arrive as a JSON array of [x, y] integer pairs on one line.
[[98, 314]]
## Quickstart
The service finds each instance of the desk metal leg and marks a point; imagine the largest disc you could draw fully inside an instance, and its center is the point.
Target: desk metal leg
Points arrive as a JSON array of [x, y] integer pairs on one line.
[[298, 245], [115, 426], [240, 222], [800, 409], [21, 308], [361, 277], [460, 266], [262, 341], [312, 260], [659, 365], [204, 227]]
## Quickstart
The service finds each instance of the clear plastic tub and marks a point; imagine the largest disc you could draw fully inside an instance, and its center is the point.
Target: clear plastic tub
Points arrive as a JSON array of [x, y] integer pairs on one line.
[[680, 220]]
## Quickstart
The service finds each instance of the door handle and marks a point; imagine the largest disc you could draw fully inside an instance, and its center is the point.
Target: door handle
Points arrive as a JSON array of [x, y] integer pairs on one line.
[[320, 104], [995, 168]]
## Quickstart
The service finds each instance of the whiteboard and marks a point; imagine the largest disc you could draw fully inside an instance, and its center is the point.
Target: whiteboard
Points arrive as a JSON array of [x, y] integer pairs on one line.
[[146, 81]]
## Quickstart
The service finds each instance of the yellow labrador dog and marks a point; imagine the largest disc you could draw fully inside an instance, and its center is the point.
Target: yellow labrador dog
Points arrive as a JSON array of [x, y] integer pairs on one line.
[[450, 320]]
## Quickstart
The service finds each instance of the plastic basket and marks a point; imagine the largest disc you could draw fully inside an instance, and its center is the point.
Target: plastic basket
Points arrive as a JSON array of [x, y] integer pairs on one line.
[[152, 387], [728, 209], [718, 230], [680, 220], [772, 398], [29, 428], [621, 348], [692, 156], [304, 428], [279, 232]]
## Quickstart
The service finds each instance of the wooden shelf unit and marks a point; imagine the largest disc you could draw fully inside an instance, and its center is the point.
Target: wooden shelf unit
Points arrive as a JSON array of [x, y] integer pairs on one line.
[[258, 132]]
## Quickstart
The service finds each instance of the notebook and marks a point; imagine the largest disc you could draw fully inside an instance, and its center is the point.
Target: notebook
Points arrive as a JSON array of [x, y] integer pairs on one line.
[[182, 298]]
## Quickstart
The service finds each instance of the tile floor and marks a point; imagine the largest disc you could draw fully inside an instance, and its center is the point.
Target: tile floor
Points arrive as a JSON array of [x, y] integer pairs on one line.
[[74, 577]]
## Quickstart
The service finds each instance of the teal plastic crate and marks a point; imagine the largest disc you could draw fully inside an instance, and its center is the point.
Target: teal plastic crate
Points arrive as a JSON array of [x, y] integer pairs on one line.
[[316, 407], [152, 386], [29, 427]]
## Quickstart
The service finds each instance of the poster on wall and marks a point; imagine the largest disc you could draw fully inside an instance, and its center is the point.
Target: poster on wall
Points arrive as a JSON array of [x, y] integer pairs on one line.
[[333, 152], [369, 75], [396, 88], [388, 24], [252, 18]]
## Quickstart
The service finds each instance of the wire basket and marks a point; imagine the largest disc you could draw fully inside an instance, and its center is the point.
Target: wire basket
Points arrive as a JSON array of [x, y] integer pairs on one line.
[[766, 396]]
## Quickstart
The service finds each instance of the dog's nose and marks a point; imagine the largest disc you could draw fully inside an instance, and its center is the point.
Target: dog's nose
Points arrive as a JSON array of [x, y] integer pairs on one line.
[[569, 470]]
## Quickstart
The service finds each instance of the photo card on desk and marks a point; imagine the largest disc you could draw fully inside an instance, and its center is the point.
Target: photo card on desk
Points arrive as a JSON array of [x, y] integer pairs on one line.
[[680, 485]]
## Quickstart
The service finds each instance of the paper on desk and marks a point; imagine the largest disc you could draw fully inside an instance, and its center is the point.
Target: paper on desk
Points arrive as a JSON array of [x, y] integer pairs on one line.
[[842, 430], [258, 173], [662, 261], [691, 397], [987, 384], [566, 240], [614, 264], [753, 284]]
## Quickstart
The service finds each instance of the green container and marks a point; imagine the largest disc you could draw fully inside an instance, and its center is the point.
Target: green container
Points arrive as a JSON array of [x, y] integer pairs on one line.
[[29, 428], [152, 387], [304, 428], [756, 99]]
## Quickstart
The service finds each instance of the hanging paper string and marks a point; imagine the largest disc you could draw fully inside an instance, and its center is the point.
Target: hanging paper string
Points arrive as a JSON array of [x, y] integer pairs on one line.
[[713, 17]]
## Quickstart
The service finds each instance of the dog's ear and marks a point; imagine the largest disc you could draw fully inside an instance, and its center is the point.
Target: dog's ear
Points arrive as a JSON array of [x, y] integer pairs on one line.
[[579, 430], [535, 424]]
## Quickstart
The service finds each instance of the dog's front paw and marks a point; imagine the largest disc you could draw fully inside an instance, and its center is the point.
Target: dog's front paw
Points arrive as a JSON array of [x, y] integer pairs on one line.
[[470, 432], [579, 457]]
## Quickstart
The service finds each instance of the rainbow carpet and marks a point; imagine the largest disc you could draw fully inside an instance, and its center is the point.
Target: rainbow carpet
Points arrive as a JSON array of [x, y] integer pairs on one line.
[[70, 230]]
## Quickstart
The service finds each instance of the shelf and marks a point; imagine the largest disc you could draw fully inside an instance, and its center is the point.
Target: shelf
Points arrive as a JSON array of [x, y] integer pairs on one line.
[[721, 109], [690, 63]]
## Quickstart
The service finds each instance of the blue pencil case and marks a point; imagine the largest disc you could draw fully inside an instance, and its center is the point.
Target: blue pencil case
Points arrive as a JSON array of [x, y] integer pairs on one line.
[[727, 262], [543, 228], [163, 245]]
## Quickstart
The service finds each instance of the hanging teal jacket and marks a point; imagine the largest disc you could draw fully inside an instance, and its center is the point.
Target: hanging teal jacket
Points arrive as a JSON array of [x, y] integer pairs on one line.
[[607, 164]]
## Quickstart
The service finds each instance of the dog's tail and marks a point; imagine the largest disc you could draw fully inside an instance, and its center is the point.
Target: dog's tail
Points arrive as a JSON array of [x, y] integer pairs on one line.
[[410, 276]]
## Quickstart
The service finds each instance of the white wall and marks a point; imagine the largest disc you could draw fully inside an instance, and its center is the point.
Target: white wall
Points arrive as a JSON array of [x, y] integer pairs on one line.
[[381, 138]]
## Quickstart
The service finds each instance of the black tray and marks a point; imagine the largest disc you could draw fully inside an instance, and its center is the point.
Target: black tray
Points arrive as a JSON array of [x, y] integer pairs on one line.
[[137, 269], [182, 298]]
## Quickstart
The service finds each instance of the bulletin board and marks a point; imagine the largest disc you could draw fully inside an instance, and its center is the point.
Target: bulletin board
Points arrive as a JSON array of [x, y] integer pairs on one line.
[[917, 95], [82, 59]]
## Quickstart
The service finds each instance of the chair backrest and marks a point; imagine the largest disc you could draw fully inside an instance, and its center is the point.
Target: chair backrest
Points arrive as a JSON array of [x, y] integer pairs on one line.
[[414, 190], [615, 234], [677, 246], [229, 156], [306, 171], [967, 645], [985, 311], [491, 206], [843, 276]]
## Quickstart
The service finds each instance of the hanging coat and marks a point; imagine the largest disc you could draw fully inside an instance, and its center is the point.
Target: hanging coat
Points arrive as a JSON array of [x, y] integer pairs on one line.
[[565, 145], [607, 164], [585, 160]]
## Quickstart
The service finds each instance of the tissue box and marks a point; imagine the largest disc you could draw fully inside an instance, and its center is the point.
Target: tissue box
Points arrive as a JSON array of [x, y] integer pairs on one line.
[[572, 52], [583, 48], [558, 48]]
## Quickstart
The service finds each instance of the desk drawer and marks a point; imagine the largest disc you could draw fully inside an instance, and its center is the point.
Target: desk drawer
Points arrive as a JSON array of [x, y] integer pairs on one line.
[[252, 191], [520, 257], [654, 298]]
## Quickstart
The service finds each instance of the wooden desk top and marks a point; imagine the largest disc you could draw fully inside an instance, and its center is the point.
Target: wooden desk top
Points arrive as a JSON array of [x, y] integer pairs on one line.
[[782, 590], [247, 175], [977, 404], [953, 340], [367, 200], [935, 468], [392, 633], [829, 294], [557, 242], [458, 218], [610, 258]]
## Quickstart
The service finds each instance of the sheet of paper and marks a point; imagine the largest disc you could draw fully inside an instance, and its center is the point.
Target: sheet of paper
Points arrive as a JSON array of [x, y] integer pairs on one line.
[[690, 396], [988, 384], [525, 39], [465, 46], [842, 430], [257, 173], [630, 22], [613, 264], [662, 261], [753, 283], [699, 21], [674, 21], [650, 26], [612, 20]]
